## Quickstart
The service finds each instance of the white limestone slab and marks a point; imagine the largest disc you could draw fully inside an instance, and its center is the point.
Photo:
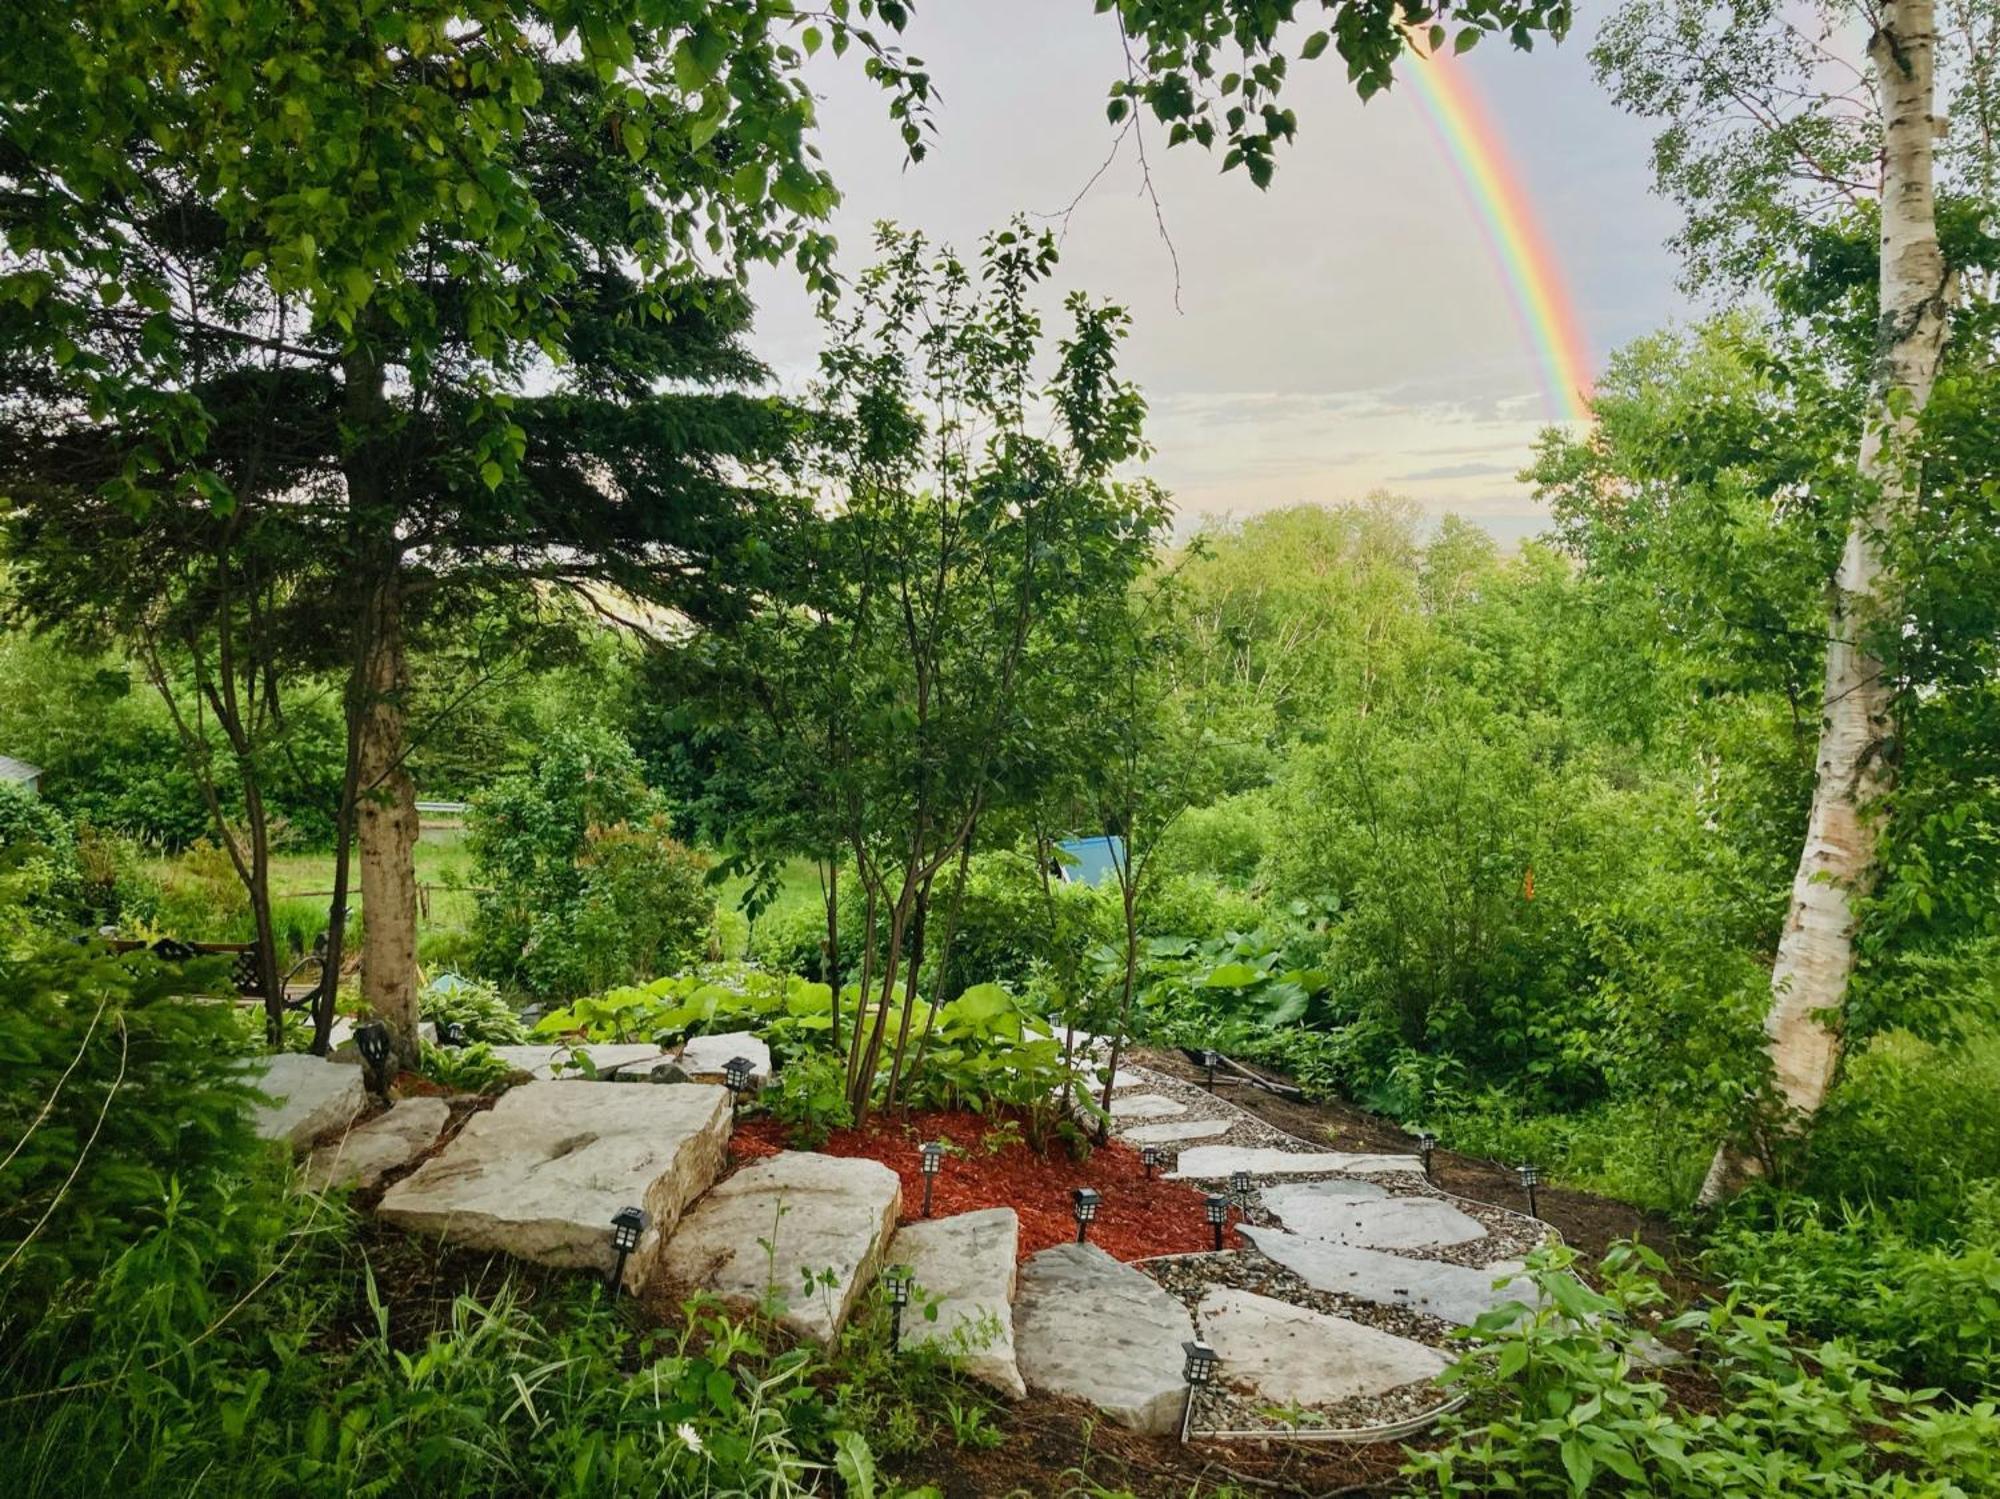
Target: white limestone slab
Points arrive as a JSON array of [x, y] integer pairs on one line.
[[1145, 1106], [966, 1265], [310, 1097], [1388, 1223], [1182, 1129], [757, 1235], [1291, 1355], [550, 1062], [540, 1174], [1087, 1326], [1301, 1196], [1456, 1293], [369, 1152], [703, 1056], [1220, 1160]]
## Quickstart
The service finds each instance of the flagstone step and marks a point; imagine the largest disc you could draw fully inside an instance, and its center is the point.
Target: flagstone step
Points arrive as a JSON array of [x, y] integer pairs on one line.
[[1219, 1161], [1089, 1327], [762, 1231], [364, 1155], [1456, 1293], [1145, 1106], [553, 1062], [1372, 1223], [1176, 1130], [1293, 1356], [310, 1096], [966, 1265], [541, 1173]]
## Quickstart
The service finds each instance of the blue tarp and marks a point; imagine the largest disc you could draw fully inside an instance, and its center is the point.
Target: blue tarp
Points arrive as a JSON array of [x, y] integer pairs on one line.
[[1092, 861]]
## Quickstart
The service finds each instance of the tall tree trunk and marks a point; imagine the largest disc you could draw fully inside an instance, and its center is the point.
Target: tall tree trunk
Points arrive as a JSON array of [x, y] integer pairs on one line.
[[387, 823], [916, 968], [1816, 951]]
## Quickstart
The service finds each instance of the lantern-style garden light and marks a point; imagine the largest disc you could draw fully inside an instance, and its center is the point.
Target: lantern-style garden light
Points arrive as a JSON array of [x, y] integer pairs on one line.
[[452, 1033], [1149, 1157], [1239, 1188], [1426, 1143], [1216, 1208], [1210, 1060], [1197, 1368], [628, 1226], [372, 1041], [1531, 1177], [736, 1077], [1083, 1202], [930, 1160], [896, 1283]]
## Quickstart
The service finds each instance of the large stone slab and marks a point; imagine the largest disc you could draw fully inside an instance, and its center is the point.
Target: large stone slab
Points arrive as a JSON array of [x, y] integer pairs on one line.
[[1173, 1130], [1457, 1293], [366, 1154], [1290, 1355], [1145, 1106], [1280, 1197], [540, 1173], [310, 1097], [1087, 1326], [1220, 1160], [1385, 1223], [703, 1056], [547, 1062], [967, 1263], [754, 1239]]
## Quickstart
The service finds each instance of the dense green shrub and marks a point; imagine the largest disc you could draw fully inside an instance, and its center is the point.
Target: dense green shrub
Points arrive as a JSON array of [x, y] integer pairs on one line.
[[121, 1103], [38, 859], [1562, 1400], [585, 886], [1225, 841]]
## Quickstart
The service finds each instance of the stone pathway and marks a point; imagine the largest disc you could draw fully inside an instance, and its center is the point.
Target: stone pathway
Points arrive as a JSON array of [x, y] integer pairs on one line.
[[1330, 1312], [1332, 1319]]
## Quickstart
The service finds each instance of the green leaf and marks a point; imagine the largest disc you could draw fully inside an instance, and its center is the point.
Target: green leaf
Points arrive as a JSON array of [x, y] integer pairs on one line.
[[1315, 45]]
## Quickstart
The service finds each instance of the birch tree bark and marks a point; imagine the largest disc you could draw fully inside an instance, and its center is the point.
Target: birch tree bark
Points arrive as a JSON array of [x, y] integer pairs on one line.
[[1855, 766]]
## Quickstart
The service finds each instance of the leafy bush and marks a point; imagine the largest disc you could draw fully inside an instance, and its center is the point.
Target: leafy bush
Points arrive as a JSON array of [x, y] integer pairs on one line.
[[465, 1069], [38, 859], [474, 1005], [1561, 1400], [810, 1099], [793, 1014], [122, 1104], [586, 886]]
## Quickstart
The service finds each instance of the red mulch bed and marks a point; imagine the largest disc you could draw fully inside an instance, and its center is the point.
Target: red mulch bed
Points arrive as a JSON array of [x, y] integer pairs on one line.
[[1135, 1217]]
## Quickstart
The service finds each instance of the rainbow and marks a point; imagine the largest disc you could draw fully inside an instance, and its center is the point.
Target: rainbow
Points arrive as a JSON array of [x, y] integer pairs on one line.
[[1527, 265]]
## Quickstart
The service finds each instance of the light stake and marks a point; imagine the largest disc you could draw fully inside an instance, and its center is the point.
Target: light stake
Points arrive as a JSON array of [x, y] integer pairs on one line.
[[1239, 1188], [1216, 1207], [736, 1077], [896, 1282], [1197, 1368], [1210, 1061], [451, 1033], [1083, 1202], [372, 1041], [930, 1160], [628, 1226], [1531, 1177], [1426, 1143], [1149, 1157]]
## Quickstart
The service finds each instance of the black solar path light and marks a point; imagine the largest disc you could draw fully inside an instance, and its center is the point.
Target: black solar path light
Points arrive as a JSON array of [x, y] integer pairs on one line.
[[896, 1283], [1216, 1207], [1239, 1188], [1083, 1202], [736, 1077], [1426, 1143], [930, 1160], [1197, 1368], [628, 1226], [1531, 1177], [372, 1041], [451, 1033], [1149, 1157], [1210, 1060]]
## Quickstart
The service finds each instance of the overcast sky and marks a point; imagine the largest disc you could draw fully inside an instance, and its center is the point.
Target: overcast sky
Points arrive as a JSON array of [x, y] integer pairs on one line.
[[1346, 330]]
